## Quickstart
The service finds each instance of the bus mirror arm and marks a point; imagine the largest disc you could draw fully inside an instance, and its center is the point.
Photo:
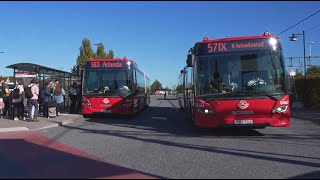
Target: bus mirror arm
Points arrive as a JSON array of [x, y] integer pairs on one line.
[[290, 90]]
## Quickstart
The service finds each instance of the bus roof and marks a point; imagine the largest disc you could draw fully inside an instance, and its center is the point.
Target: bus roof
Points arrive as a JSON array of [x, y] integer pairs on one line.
[[113, 59], [237, 38]]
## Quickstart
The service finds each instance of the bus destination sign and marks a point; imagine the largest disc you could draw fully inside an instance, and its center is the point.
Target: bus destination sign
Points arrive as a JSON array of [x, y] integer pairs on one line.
[[232, 46], [103, 64]]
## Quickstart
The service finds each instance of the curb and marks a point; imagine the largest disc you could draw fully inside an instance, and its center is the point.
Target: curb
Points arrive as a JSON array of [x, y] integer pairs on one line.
[[57, 124], [14, 129], [46, 127], [69, 121]]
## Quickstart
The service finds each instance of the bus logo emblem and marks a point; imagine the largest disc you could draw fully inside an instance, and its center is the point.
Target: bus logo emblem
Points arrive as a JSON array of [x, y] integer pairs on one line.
[[243, 104], [106, 101]]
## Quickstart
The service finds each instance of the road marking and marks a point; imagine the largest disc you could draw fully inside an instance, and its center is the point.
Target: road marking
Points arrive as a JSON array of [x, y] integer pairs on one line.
[[162, 118]]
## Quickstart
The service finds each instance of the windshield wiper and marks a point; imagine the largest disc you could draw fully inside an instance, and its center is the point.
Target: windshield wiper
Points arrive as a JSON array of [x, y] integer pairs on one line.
[[270, 96], [254, 93]]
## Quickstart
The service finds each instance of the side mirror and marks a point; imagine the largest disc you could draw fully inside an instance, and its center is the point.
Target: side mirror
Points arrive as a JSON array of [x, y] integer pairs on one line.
[[190, 60], [291, 90]]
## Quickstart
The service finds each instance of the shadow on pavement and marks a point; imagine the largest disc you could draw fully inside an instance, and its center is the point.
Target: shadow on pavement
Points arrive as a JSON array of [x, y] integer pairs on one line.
[[22, 159], [312, 175], [175, 123]]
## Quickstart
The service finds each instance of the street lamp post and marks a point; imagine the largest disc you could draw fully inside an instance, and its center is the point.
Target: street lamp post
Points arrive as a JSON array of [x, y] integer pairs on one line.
[[310, 47], [294, 38]]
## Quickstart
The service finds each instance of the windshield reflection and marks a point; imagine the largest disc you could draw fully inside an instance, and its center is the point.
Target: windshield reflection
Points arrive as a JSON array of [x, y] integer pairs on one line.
[[256, 72], [108, 83]]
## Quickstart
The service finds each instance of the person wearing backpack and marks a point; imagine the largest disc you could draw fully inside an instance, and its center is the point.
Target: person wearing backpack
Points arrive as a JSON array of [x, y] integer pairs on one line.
[[18, 98], [33, 101]]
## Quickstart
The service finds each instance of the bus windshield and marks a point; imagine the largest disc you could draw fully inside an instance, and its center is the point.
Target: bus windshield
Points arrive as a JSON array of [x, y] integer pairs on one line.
[[107, 82], [254, 72]]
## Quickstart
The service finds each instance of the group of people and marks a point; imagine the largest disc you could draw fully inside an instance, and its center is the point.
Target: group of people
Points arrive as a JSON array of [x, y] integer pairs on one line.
[[52, 91]]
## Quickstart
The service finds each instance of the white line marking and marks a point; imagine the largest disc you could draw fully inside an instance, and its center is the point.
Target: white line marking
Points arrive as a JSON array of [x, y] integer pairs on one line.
[[162, 118]]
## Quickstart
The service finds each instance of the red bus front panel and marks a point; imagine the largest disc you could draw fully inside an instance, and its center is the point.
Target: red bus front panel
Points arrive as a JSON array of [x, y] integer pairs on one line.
[[110, 105], [249, 112]]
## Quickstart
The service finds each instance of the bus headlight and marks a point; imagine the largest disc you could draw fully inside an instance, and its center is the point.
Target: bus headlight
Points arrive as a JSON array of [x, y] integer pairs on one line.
[[280, 109], [206, 111]]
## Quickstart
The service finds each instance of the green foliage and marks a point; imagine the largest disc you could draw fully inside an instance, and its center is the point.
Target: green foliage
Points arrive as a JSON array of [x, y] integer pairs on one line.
[[310, 90], [86, 52], [314, 70], [180, 88], [110, 54], [101, 53], [156, 85]]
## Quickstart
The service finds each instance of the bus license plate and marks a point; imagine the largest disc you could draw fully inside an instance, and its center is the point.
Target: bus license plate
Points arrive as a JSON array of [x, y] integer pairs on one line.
[[243, 122], [106, 111]]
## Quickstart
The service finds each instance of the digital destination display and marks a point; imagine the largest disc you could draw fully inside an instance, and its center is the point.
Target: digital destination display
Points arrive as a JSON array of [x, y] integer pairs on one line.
[[104, 64], [233, 46]]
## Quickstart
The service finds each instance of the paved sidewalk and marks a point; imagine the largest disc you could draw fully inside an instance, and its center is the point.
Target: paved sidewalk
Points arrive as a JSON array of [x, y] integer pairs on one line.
[[7, 125]]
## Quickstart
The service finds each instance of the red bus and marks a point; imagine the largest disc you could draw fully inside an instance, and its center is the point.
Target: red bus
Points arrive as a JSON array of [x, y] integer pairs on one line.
[[114, 86], [238, 81]]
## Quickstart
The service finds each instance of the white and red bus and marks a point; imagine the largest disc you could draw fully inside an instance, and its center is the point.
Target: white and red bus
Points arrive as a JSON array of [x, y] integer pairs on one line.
[[114, 86], [238, 81]]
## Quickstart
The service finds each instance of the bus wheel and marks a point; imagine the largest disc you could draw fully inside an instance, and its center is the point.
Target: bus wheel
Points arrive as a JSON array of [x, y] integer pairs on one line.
[[190, 114], [86, 116], [193, 116], [203, 130]]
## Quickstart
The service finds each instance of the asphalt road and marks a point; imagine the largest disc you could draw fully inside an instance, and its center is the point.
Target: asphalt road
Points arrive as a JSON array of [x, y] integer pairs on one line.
[[161, 142]]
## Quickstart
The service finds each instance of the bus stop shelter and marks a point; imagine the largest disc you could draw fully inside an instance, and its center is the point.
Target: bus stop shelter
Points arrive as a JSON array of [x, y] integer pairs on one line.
[[43, 74]]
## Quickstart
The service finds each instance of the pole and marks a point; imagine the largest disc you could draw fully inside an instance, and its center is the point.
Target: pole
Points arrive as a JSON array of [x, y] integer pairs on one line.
[[310, 49], [305, 66]]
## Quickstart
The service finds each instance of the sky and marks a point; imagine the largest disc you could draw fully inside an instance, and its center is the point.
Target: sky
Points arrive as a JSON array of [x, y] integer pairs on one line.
[[157, 35]]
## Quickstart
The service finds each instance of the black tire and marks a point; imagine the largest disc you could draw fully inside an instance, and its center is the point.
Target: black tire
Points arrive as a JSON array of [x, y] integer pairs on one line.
[[86, 115], [190, 114]]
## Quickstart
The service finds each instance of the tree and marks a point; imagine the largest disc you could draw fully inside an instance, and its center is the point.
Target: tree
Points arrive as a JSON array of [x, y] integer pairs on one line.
[[86, 52], [314, 70], [298, 74], [156, 85], [110, 54], [101, 53]]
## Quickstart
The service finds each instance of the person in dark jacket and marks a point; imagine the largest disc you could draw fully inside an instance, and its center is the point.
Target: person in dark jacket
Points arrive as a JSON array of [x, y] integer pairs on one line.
[[74, 97], [47, 97]]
